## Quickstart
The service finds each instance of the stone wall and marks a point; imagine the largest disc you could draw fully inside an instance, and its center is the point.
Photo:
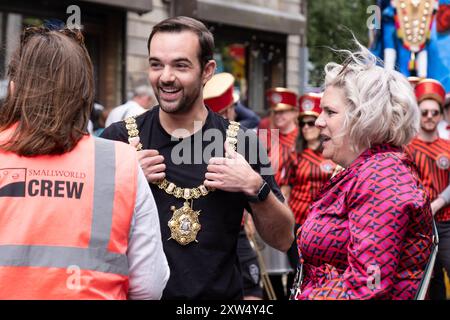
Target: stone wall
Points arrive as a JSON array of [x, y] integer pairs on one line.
[[138, 30]]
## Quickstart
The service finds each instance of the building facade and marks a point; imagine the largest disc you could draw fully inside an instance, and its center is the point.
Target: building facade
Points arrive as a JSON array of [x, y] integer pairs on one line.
[[104, 25], [261, 42]]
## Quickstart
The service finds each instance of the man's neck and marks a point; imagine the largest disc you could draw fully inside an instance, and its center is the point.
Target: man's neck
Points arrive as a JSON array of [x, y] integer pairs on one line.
[[184, 124], [288, 129], [427, 136]]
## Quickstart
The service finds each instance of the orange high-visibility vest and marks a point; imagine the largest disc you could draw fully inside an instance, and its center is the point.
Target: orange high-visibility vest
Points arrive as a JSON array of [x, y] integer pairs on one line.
[[65, 222]]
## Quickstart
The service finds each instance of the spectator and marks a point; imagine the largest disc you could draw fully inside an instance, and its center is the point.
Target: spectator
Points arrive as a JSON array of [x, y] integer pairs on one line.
[[143, 99]]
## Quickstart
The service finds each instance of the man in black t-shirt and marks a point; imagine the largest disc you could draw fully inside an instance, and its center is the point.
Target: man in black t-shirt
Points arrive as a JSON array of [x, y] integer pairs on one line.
[[200, 194]]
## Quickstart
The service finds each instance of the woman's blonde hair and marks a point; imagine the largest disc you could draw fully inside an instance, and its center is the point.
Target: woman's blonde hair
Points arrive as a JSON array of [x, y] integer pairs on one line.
[[381, 105], [53, 93]]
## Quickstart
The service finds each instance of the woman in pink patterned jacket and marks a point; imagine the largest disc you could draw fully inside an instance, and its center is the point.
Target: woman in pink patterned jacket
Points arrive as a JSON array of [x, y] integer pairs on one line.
[[368, 233]]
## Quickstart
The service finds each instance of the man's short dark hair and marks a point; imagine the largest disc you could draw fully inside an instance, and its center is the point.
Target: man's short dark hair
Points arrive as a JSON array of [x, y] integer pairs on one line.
[[181, 23]]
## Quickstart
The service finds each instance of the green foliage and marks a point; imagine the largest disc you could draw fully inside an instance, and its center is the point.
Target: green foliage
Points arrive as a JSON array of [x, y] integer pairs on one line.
[[330, 23]]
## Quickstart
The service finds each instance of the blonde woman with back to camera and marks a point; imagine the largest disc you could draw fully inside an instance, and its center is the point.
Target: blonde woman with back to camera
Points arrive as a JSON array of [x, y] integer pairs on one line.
[[368, 234]]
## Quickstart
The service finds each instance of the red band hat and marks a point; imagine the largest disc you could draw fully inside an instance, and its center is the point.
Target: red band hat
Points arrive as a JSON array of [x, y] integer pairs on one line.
[[309, 104], [413, 81], [218, 92], [430, 89], [281, 99]]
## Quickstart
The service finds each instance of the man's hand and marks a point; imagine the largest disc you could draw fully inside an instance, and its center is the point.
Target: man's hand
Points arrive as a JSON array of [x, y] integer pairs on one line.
[[232, 174], [152, 163]]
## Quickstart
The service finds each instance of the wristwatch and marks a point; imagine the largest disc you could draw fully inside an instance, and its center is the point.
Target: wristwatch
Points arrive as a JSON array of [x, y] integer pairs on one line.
[[262, 194]]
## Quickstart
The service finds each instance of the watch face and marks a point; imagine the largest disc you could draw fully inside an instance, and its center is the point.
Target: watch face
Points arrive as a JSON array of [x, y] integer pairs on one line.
[[264, 192]]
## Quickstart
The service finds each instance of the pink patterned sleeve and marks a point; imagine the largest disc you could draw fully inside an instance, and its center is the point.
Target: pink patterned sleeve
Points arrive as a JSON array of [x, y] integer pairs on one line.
[[377, 206]]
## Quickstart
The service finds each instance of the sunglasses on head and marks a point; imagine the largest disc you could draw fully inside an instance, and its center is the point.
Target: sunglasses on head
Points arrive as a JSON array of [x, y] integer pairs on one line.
[[434, 113], [310, 123], [73, 33]]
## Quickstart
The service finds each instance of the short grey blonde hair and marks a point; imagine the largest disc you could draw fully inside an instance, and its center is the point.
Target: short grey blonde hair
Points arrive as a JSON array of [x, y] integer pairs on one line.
[[381, 105], [143, 90]]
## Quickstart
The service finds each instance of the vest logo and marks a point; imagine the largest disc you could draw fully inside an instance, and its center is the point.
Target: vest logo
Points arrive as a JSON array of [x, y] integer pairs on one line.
[[443, 162], [13, 182], [55, 189]]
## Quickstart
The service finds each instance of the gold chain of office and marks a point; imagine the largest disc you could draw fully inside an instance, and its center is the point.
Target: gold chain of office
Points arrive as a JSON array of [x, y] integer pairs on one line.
[[184, 224]]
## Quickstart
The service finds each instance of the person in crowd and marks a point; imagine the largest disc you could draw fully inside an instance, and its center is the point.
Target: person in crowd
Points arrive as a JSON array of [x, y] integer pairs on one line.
[[265, 123], [309, 170], [245, 116], [280, 141], [143, 99], [444, 124], [77, 218], [200, 188], [431, 154], [219, 97], [368, 234], [97, 119]]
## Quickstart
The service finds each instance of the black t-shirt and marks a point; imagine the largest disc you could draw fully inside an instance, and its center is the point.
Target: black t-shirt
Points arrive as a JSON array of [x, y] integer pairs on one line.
[[207, 269]]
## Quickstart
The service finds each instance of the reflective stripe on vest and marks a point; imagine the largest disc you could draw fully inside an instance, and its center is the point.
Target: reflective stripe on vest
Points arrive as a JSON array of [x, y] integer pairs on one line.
[[63, 257], [96, 257]]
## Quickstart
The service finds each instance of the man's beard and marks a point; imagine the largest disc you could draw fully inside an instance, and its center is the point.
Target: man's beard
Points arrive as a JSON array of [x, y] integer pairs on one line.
[[429, 127], [185, 104]]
